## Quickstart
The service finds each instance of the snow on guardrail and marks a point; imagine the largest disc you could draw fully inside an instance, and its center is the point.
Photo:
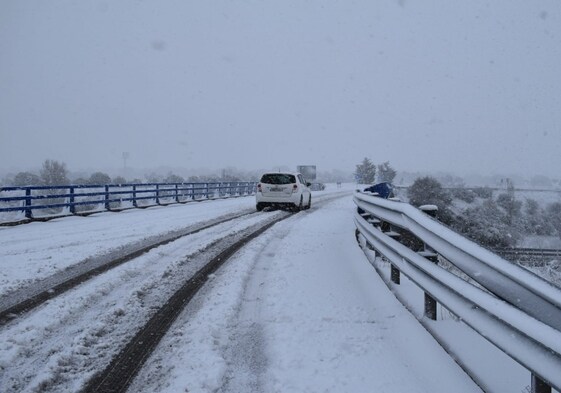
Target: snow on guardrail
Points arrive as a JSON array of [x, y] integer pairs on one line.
[[522, 318]]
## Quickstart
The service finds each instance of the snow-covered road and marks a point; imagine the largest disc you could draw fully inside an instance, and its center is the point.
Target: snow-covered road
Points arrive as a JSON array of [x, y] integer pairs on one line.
[[299, 309]]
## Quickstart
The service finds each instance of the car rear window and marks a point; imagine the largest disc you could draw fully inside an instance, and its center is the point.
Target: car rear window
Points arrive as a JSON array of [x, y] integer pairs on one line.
[[278, 178]]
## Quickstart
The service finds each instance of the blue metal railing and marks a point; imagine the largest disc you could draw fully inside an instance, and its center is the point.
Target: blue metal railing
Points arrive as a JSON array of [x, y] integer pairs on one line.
[[55, 199]]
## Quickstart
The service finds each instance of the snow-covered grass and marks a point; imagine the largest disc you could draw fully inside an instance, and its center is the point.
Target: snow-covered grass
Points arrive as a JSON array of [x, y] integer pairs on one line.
[[550, 271]]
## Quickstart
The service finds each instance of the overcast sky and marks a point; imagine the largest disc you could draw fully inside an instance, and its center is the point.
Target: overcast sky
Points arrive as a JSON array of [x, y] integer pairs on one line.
[[438, 85]]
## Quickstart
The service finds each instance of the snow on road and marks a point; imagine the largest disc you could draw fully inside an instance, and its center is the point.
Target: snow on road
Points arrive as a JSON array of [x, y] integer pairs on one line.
[[36, 250], [61, 344], [300, 310]]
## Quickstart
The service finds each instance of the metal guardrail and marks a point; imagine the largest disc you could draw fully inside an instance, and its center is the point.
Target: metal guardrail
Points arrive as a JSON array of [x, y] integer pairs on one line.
[[29, 200], [517, 311], [528, 255]]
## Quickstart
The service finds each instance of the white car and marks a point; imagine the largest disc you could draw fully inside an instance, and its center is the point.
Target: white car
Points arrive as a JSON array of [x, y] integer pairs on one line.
[[283, 189]]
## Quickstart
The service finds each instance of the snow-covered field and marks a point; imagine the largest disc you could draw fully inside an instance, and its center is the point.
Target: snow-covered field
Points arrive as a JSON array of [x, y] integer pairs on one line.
[[299, 309]]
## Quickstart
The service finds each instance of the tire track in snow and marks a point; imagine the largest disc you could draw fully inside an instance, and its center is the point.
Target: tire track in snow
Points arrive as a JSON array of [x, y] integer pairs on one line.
[[61, 345], [15, 304], [124, 367], [246, 356]]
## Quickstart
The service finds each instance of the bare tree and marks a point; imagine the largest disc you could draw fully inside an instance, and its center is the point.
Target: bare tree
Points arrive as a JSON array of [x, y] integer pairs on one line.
[[173, 178], [119, 180], [54, 173], [26, 179], [99, 178]]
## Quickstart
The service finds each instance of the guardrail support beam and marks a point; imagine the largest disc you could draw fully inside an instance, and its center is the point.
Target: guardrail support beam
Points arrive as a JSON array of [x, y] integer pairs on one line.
[[430, 307], [431, 255], [107, 207], [389, 230], [539, 385], [430, 302], [395, 277], [28, 210], [71, 201], [134, 201]]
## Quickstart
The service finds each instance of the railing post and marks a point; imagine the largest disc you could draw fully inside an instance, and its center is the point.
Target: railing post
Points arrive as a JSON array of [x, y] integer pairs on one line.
[[134, 202], [28, 210], [430, 302], [157, 194], [207, 191], [71, 201], [394, 274], [430, 254], [177, 193], [388, 230], [539, 385], [107, 207]]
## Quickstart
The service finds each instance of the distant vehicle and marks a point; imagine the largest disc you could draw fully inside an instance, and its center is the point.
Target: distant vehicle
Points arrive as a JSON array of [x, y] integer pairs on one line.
[[317, 187], [384, 190], [283, 189]]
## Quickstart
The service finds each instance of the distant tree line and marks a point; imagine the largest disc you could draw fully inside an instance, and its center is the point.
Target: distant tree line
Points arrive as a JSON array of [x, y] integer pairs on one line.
[[54, 173]]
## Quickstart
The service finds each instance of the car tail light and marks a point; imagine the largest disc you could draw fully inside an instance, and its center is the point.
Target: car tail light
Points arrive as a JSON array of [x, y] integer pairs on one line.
[[294, 187], [259, 187]]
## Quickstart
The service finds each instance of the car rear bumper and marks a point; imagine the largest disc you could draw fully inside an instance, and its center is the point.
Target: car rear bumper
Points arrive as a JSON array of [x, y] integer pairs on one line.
[[280, 200]]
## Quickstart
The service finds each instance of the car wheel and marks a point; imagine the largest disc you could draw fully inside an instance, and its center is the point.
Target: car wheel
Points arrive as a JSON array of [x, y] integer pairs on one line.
[[260, 207], [300, 205], [309, 203]]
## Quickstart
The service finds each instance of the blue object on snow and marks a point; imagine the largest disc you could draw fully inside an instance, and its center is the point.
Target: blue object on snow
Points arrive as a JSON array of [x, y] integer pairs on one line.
[[384, 190]]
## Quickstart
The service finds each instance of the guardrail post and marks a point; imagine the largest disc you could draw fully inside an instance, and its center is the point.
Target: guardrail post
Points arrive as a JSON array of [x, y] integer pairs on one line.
[[207, 191], [430, 302], [157, 194], [395, 277], [388, 230], [107, 207], [177, 193], [539, 385], [430, 254], [28, 210], [71, 201], [134, 202]]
